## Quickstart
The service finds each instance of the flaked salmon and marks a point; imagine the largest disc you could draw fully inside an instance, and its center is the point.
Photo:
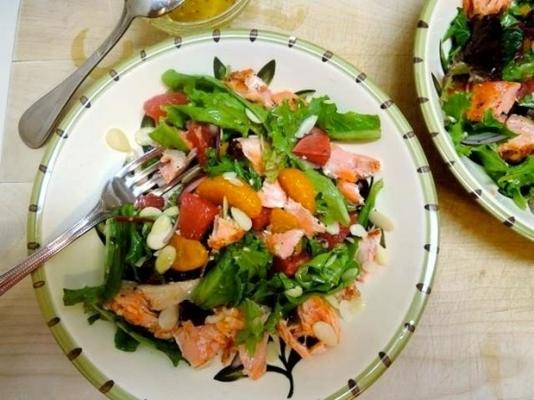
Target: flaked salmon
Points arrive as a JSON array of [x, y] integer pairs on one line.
[[283, 244], [350, 191], [312, 311], [252, 150], [247, 84], [307, 221], [368, 246], [272, 195], [349, 166], [255, 366], [225, 232], [172, 161]]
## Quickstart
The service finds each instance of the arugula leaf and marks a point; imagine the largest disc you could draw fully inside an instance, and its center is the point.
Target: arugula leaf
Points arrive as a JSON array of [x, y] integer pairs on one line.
[[117, 243], [363, 217], [331, 204], [329, 271], [459, 33], [88, 294], [344, 126], [218, 108], [168, 136], [459, 30], [490, 160], [527, 101], [177, 81], [520, 69], [254, 329], [125, 342], [216, 166], [457, 104], [512, 39], [237, 271]]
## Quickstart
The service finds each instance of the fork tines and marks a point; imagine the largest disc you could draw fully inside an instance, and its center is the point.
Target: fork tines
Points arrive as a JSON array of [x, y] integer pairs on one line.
[[141, 180]]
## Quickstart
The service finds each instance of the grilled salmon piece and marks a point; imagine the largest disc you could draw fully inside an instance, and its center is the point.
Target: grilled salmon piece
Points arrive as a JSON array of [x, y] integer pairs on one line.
[[521, 146], [497, 96], [485, 7]]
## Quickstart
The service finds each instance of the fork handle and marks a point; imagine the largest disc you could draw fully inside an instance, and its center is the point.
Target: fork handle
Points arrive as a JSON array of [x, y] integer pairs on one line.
[[36, 259], [38, 121]]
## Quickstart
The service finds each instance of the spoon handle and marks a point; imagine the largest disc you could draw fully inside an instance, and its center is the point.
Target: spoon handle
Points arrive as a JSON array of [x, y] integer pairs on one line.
[[38, 121]]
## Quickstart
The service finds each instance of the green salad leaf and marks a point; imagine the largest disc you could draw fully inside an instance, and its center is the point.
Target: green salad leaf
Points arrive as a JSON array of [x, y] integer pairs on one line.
[[520, 69], [459, 32], [512, 38], [218, 107], [370, 202], [329, 271], [236, 273], [218, 165], [331, 204], [182, 82], [168, 136], [124, 341], [254, 329], [457, 105], [348, 126]]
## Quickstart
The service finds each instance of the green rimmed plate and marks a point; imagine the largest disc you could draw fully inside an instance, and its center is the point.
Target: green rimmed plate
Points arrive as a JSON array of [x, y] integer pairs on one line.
[[78, 162], [433, 23]]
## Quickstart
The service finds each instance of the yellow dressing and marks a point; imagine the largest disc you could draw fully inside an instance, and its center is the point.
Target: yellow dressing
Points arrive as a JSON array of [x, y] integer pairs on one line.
[[198, 10]]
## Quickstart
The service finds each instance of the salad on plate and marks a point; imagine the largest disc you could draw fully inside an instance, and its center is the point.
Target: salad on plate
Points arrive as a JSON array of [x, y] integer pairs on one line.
[[265, 248], [487, 94]]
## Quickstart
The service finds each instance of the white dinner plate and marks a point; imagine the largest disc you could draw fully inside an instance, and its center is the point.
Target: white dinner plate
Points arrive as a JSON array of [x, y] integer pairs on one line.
[[79, 162]]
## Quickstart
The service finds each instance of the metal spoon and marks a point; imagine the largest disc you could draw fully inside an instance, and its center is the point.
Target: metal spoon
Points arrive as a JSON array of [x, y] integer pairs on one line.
[[38, 121]]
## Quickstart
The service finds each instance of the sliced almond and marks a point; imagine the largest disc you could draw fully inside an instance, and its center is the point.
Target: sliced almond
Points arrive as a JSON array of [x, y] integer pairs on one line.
[[172, 211], [306, 126], [358, 230], [381, 220], [232, 178], [382, 255], [150, 212], [165, 259], [332, 300], [168, 318], [160, 233], [325, 333], [117, 140], [332, 228], [242, 219]]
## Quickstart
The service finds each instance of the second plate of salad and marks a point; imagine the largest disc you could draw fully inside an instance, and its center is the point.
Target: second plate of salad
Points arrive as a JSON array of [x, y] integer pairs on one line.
[[474, 74], [303, 234]]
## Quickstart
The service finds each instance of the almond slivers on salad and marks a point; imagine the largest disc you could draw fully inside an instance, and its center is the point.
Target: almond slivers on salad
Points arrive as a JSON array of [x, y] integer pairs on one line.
[[487, 93], [265, 249]]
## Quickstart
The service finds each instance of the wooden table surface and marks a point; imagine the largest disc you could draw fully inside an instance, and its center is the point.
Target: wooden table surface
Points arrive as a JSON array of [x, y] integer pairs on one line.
[[475, 340]]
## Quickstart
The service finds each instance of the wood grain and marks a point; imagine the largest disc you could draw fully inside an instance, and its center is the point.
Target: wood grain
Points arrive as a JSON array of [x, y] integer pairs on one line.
[[475, 338]]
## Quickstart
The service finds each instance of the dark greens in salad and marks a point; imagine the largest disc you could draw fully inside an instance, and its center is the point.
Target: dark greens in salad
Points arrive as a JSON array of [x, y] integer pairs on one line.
[[487, 55]]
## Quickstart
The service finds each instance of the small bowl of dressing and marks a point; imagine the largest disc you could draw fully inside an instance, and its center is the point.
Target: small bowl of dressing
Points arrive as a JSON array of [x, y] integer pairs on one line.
[[194, 15]]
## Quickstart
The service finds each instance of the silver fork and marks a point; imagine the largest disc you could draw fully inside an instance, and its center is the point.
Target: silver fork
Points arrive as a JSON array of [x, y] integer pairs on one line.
[[125, 187]]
